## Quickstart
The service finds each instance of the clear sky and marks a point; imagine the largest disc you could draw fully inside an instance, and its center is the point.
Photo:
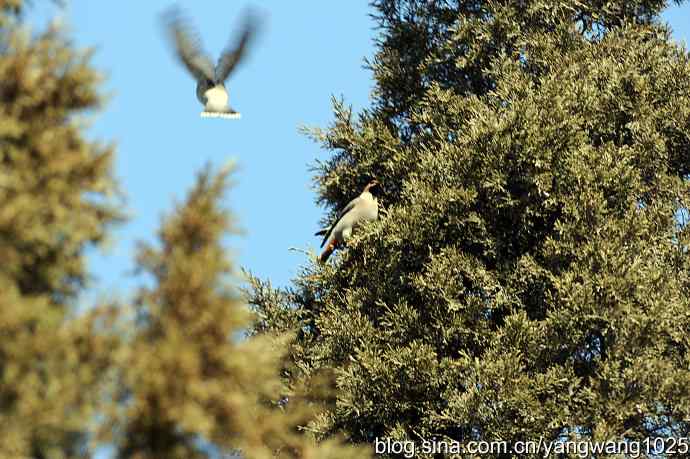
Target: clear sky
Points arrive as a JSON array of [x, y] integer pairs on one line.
[[307, 52]]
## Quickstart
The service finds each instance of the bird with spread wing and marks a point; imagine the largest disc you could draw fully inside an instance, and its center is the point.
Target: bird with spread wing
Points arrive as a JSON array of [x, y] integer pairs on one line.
[[210, 87]]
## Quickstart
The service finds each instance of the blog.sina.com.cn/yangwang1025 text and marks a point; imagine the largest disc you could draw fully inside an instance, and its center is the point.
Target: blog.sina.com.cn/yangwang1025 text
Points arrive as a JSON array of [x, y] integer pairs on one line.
[[579, 448]]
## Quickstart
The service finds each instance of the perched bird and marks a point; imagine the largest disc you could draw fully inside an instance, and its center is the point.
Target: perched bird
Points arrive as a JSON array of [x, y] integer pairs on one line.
[[364, 208], [210, 86]]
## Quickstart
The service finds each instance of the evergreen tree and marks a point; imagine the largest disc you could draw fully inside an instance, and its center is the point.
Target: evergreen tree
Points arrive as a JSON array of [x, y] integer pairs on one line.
[[55, 201], [193, 387], [187, 384], [530, 278]]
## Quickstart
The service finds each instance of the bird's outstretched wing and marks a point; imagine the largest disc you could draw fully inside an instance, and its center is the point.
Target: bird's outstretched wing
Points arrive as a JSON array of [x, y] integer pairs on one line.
[[187, 44], [342, 213], [237, 49]]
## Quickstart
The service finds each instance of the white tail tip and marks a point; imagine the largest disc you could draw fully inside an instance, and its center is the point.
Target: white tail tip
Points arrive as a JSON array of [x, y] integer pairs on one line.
[[230, 116]]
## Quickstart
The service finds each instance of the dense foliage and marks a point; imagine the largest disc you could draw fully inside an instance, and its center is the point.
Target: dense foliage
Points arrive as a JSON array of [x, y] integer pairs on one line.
[[530, 278]]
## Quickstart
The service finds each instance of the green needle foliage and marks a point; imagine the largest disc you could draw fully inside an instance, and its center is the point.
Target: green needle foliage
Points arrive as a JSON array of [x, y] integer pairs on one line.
[[55, 201], [191, 385], [531, 276]]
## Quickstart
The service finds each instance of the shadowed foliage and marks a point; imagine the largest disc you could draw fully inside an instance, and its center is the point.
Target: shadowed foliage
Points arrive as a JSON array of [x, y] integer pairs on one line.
[[530, 278]]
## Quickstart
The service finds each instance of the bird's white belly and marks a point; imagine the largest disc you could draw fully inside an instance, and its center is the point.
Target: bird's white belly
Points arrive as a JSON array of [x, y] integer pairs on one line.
[[343, 228], [371, 211], [366, 210], [216, 99]]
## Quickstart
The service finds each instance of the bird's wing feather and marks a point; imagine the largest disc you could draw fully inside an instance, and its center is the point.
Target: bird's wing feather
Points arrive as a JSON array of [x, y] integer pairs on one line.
[[233, 54], [187, 45], [342, 213]]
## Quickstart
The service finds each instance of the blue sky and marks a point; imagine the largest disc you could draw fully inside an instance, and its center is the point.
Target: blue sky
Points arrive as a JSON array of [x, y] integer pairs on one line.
[[307, 52]]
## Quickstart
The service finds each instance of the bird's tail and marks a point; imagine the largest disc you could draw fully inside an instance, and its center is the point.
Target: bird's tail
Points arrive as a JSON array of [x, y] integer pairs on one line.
[[228, 115], [324, 233], [327, 253]]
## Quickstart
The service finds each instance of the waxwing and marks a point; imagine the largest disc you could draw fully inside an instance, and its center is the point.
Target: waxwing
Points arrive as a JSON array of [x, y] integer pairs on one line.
[[363, 208]]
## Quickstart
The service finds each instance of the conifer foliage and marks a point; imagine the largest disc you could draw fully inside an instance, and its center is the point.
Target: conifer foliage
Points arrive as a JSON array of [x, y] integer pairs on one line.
[[55, 201], [530, 278], [191, 384]]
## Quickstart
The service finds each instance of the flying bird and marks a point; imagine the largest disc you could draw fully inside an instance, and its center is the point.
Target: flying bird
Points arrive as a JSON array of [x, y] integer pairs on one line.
[[210, 86], [363, 208]]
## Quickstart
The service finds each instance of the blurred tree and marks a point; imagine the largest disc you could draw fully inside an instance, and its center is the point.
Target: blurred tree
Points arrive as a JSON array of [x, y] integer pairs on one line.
[[177, 379], [10, 9], [191, 384], [531, 277], [55, 201]]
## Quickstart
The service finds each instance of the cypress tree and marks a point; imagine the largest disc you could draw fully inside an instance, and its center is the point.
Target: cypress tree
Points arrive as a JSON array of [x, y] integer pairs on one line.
[[192, 385], [56, 194], [530, 277]]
